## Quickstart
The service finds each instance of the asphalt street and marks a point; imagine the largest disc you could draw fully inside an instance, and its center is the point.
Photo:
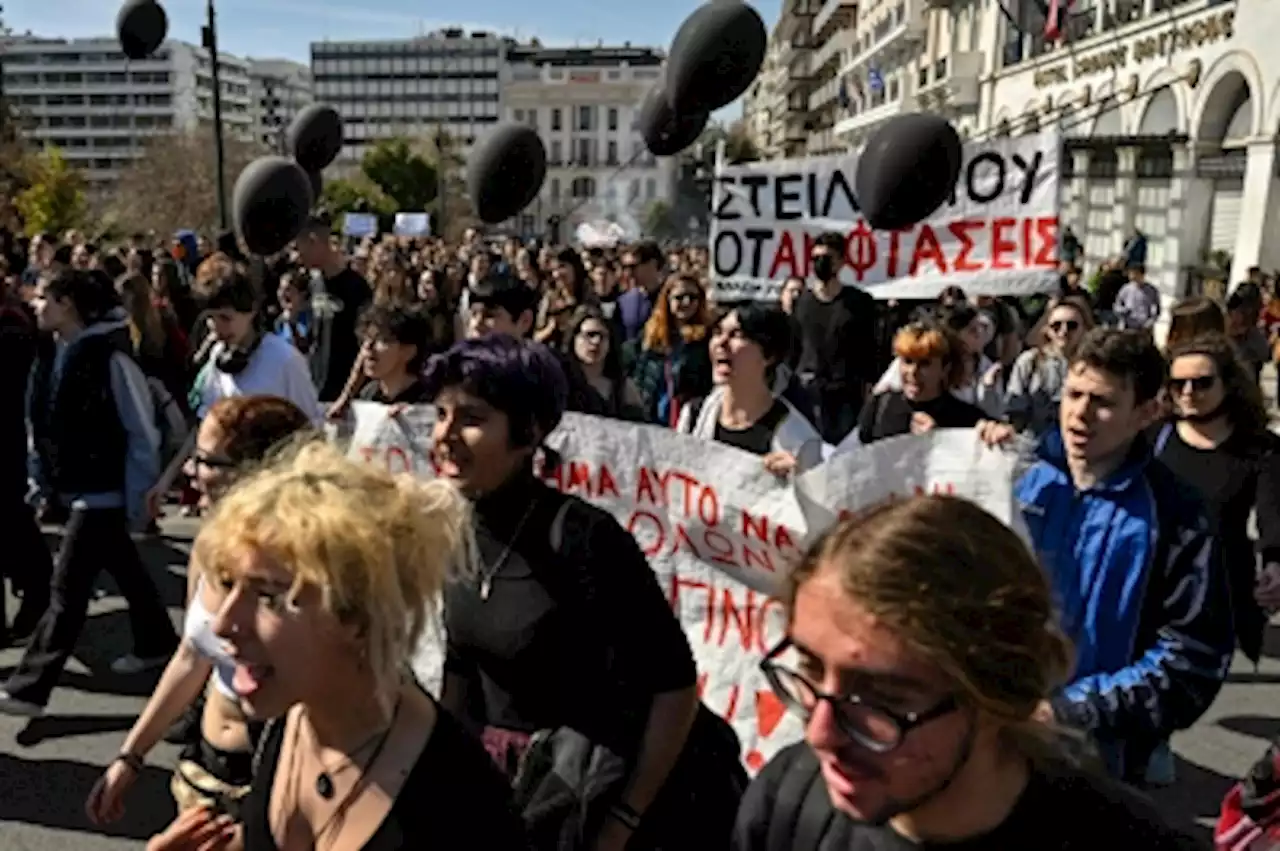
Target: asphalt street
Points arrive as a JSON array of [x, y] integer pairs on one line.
[[48, 766]]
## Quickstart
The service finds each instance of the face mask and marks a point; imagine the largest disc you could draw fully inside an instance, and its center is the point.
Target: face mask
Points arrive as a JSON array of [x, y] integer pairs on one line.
[[824, 267]]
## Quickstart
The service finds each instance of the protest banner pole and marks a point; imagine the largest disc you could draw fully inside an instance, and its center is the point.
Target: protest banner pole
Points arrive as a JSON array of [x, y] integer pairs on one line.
[[219, 155]]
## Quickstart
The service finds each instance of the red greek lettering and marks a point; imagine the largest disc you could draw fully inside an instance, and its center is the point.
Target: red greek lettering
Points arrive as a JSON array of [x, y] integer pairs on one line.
[[860, 251], [927, 249], [796, 262], [1004, 250], [962, 232], [734, 616], [1047, 233]]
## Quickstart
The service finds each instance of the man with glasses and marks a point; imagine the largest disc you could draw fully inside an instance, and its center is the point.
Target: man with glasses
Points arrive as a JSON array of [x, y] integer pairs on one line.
[[641, 275], [921, 648]]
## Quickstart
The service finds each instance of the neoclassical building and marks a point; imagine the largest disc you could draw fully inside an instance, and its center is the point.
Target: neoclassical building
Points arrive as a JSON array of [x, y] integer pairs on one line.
[[1171, 115]]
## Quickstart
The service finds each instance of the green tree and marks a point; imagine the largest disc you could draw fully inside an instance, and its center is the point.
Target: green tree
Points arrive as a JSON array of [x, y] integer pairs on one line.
[[658, 220], [405, 176], [739, 147], [355, 194], [55, 200]]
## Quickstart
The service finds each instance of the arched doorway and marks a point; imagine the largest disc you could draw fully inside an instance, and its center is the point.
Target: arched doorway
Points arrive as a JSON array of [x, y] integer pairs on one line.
[[1159, 129], [1225, 123]]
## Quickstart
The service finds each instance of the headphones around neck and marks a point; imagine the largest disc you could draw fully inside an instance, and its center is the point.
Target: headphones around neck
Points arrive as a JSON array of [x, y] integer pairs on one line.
[[234, 360]]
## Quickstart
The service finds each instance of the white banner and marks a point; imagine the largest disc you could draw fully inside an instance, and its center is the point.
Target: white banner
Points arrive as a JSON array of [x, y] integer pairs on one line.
[[719, 531], [359, 224], [412, 224], [998, 235]]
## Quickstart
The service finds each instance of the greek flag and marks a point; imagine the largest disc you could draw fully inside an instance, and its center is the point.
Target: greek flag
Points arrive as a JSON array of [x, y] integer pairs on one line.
[[874, 80]]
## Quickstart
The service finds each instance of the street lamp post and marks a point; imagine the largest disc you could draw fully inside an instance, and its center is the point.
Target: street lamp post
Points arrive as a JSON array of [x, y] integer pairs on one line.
[[210, 42]]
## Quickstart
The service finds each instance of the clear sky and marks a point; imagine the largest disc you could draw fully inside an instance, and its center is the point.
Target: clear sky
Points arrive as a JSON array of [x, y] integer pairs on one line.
[[285, 28]]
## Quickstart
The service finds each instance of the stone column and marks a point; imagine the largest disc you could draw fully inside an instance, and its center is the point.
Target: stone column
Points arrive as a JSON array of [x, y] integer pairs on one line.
[[1126, 192], [1257, 208]]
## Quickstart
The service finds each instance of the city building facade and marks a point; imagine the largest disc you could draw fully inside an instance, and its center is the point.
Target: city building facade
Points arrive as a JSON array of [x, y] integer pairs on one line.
[[916, 55], [1170, 112], [833, 31], [764, 109], [794, 35], [84, 97], [584, 102], [446, 83], [278, 90]]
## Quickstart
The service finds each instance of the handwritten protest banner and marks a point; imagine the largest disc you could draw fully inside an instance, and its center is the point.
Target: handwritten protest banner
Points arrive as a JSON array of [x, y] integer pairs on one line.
[[997, 235], [718, 530]]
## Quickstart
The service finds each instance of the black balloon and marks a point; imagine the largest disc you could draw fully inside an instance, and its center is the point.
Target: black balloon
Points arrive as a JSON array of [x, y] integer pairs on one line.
[[505, 171], [315, 136], [271, 202], [317, 186], [141, 26], [666, 132], [908, 169], [715, 55]]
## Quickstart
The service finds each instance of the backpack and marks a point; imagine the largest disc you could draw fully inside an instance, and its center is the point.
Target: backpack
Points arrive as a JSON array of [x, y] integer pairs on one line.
[[170, 421]]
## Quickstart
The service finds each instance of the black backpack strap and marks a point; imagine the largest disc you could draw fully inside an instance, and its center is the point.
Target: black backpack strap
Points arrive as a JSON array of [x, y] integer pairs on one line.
[[802, 810]]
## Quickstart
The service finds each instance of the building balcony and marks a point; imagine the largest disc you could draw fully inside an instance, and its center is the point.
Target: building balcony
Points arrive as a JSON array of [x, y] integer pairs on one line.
[[951, 82], [796, 17], [899, 31], [828, 11], [863, 121], [828, 53]]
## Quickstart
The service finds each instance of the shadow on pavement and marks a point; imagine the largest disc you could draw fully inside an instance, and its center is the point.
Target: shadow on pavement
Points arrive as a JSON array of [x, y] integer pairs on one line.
[[65, 726], [1195, 795], [1258, 726], [1252, 677], [105, 638], [51, 793]]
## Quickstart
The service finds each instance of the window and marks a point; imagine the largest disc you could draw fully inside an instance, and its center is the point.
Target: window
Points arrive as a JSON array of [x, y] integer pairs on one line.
[[612, 155], [556, 119], [613, 119], [557, 152], [585, 116]]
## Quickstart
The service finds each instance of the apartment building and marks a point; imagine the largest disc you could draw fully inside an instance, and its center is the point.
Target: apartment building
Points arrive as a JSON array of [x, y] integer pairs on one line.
[[278, 90], [447, 81], [84, 97], [833, 32], [584, 103]]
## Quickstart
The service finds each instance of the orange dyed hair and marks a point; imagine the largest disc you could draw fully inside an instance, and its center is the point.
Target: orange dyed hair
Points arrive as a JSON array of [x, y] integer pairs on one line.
[[658, 330], [927, 340]]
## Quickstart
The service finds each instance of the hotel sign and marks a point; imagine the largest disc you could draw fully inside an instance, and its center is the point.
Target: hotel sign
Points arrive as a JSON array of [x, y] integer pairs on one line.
[[1142, 48]]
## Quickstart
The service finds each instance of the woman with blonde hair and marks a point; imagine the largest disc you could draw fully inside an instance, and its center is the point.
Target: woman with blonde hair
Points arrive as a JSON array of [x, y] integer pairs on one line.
[[671, 360], [923, 654], [329, 573]]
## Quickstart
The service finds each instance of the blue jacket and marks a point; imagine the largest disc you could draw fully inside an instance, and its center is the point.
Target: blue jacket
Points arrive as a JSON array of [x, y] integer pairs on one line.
[[1134, 569]]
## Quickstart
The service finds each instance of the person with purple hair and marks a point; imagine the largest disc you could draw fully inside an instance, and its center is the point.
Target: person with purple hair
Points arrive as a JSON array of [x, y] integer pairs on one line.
[[564, 627]]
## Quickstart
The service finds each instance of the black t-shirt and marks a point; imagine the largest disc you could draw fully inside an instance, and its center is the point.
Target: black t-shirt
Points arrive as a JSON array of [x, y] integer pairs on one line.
[[352, 292], [837, 339], [581, 637], [889, 415], [758, 437], [454, 799], [414, 394], [1061, 809]]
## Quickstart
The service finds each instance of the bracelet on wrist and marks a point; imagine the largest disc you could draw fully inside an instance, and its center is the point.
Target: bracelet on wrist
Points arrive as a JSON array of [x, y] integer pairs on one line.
[[627, 817], [132, 760]]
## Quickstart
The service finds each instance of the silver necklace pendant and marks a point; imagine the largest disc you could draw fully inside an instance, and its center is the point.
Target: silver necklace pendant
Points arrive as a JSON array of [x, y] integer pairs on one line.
[[324, 786], [486, 585]]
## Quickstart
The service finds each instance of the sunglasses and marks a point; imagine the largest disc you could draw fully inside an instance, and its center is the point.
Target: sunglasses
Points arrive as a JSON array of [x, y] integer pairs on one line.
[[214, 462], [591, 336], [1067, 325], [1198, 384], [683, 297]]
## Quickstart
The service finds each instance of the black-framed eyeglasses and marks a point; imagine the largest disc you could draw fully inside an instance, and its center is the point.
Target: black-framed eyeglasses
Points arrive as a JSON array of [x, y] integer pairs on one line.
[[1197, 384], [875, 728], [215, 462], [1067, 325], [591, 336], [683, 297]]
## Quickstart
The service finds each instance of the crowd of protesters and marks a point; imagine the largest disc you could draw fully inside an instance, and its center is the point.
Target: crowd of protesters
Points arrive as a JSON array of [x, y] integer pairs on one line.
[[955, 685]]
